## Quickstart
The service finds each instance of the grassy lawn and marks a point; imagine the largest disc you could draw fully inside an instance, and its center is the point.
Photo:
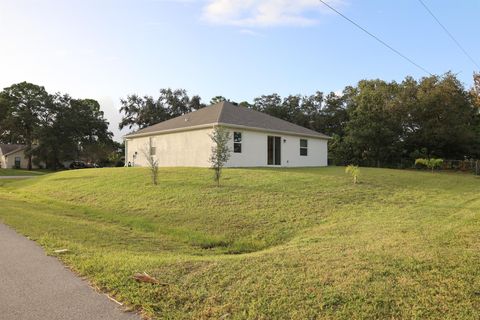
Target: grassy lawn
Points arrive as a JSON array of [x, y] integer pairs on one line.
[[21, 172], [268, 244]]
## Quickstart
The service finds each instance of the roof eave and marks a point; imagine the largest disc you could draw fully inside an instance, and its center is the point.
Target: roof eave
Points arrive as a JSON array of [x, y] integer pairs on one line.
[[14, 151], [152, 133], [300, 134], [209, 125]]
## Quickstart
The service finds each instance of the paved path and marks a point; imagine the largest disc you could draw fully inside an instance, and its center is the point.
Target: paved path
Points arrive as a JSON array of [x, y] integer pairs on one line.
[[17, 177], [35, 286]]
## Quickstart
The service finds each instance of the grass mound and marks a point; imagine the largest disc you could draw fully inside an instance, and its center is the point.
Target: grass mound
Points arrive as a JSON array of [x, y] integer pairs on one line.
[[269, 243]]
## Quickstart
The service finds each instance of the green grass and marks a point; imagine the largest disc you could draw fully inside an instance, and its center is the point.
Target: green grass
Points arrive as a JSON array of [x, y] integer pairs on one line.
[[21, 172], [268, 244]]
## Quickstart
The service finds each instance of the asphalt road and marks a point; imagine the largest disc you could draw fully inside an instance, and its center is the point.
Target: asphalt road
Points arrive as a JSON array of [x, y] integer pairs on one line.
[[34, 286]]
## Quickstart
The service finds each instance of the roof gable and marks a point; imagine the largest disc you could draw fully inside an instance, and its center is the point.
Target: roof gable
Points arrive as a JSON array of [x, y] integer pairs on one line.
[[241, 116], [207, 115], [10, 148], [225, 113]]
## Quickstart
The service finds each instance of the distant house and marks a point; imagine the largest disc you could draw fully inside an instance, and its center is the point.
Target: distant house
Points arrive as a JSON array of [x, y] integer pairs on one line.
[[13, 156], [257, 140]]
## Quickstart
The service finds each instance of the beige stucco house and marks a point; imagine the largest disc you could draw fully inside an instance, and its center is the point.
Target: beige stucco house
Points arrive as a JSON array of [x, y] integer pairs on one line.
[[257, 140], [13, 156]]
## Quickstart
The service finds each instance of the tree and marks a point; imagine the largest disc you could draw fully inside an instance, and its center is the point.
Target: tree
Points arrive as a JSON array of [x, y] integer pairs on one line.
[[245, 104], [141, 112], [218, 99], [220, 151], [22, 105], [73, 129], [373, 129], [270, 104], [152, 163], [445, 118], [145, 111]]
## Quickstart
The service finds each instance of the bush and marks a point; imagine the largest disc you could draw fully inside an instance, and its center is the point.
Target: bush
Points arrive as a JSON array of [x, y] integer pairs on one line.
[[421, 163], [354, 171], [431, 163]]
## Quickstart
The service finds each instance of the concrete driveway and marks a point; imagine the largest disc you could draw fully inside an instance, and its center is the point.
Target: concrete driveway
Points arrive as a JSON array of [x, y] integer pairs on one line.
[[35, 286]]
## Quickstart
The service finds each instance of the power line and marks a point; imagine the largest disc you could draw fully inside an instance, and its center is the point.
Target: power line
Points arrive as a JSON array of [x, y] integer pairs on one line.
[[449, 34], [376, 38]]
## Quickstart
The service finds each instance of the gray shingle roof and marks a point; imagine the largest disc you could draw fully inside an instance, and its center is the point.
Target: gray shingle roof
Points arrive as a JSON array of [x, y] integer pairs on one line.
[[225, 113], [9, 148]]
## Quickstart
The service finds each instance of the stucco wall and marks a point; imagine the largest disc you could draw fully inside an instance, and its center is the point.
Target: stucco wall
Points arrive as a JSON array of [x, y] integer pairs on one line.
[[3, 164], [9, 160], [180, 149], [254, 150], [193, 149]]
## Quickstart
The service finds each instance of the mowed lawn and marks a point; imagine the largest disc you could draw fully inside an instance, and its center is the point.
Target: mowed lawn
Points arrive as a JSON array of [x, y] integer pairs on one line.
[[268, 244]]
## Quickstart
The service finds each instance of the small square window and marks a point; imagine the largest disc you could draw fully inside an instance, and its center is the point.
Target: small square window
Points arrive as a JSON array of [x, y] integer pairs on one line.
[[237, 147], [237, 137], [153, 151]]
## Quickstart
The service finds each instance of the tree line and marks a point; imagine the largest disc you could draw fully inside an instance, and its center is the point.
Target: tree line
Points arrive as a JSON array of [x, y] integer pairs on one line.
[[374, 123], [54, 127]]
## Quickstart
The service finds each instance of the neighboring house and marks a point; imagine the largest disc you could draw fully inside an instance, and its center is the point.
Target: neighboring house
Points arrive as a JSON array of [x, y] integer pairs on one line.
[[257, 140], [13, 156]]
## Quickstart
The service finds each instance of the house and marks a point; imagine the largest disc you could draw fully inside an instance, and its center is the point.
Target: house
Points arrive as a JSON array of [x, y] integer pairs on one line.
[[257, 140], [13, 156]]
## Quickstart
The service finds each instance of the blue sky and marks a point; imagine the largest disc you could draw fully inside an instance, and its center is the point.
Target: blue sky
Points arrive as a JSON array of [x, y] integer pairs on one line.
[[106, 49]]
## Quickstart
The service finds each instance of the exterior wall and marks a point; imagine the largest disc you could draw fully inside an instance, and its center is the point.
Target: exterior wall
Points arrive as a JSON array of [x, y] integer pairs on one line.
[[179, 149], [3, 163], [254, 150], [193, 149], [9, 160]]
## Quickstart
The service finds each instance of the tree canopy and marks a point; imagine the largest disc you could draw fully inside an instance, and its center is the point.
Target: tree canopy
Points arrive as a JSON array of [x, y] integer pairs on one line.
[[141, 112], [374, 123], [55, 127]]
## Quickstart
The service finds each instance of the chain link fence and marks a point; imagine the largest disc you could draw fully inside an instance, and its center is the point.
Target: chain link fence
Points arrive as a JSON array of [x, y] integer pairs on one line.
[[462, 165]]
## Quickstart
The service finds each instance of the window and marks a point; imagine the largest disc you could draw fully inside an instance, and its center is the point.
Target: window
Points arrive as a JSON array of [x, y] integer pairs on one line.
[[237, 142], [303, 147], [18, 161], [153, 150]]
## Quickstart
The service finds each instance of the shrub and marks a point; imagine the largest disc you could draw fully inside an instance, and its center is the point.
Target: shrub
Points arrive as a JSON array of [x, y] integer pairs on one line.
[[421, 163], [354, 171], [431, 163]]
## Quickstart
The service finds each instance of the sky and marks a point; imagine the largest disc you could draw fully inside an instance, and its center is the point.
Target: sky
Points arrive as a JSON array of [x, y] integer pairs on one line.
[[241, 49]]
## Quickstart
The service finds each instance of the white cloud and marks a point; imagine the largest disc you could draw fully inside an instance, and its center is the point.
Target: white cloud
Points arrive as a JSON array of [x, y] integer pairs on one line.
[[250, 32], [264, 13]]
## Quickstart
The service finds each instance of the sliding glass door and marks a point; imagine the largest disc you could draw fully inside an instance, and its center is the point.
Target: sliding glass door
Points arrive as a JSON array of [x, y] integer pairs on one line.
[[274, 150]]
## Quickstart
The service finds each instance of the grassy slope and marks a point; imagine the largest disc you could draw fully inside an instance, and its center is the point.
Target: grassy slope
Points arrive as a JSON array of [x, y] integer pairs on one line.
[[401, 244]]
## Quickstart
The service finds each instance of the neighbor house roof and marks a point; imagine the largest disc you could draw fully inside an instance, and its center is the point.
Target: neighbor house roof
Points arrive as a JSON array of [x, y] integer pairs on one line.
[[11, 148], [227, 114]]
